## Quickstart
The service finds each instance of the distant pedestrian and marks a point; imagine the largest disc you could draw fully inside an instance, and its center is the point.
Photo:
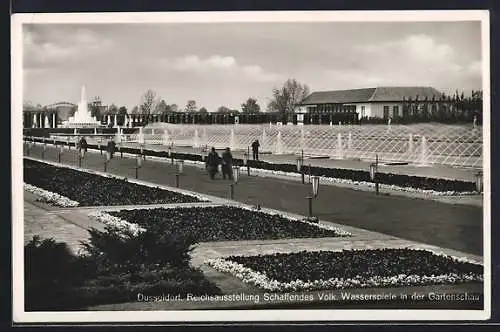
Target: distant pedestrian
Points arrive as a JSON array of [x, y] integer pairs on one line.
[[111, 148], [213, 162], [227, 164], [255, 149], [82, 146]]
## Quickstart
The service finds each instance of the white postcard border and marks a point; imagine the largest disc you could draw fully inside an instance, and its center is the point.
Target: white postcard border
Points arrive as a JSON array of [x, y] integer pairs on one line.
[[20, 316]]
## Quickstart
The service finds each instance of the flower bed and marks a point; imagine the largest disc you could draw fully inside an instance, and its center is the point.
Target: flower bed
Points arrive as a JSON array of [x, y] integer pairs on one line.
[[121, 227], [50, 197], [225, 223], [93, 190], [322, 270]]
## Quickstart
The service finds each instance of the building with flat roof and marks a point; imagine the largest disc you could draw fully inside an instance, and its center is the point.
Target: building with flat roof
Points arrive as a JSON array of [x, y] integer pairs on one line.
[[379, 102]]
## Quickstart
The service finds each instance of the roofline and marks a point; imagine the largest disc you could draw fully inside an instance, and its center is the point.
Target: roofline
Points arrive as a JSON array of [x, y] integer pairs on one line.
[[370, 100], [358, 102], [380, 87]]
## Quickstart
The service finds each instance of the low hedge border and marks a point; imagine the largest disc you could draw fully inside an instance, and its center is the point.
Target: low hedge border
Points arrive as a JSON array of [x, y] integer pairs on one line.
[[399, 180]]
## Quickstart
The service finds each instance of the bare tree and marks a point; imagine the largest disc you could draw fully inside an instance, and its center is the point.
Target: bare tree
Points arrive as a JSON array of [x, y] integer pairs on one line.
[[135, 110], [173, 108], [191, 106], [287, 98], [161, 107], [112, 109], [95, 107], [148, 102]]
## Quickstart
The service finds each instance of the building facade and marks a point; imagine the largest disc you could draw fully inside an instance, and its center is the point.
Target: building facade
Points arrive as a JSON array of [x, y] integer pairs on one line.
[[368, 103]]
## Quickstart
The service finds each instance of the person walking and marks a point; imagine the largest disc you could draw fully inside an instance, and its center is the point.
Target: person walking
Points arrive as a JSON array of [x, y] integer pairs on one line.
[[255, 149], [82, 146], [227, 164], [111, 148], [213, 162]]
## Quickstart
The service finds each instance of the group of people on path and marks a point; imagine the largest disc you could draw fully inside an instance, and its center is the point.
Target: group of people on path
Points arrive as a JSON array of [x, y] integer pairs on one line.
[[83, 145], [226, 161], [214, 160], [212, 163]]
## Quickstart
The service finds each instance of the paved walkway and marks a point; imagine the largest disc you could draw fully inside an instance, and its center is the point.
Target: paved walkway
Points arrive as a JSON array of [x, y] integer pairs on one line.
[[456, 227], [70, 225], [435, 171], [476, 200], [45, 221]]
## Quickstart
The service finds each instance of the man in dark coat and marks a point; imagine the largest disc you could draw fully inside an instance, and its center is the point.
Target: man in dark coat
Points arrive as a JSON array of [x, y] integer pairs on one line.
[[213, 161], [82, 146], [227, 164], [111, 148], [255, 149]]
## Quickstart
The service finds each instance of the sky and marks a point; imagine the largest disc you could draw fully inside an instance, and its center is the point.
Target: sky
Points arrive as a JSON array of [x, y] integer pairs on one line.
[[223, 64]]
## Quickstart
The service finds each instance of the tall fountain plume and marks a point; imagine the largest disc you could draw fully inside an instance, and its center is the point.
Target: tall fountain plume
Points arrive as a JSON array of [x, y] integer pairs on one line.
[[82, 116]]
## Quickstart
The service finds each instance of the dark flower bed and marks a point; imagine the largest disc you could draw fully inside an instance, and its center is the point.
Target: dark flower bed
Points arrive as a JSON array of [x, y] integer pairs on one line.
[[400, 180], [357, 264], [223, 223], [94, 190]]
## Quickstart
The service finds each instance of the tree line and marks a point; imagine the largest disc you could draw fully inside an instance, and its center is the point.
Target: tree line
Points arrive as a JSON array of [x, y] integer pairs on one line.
[[285, 100]]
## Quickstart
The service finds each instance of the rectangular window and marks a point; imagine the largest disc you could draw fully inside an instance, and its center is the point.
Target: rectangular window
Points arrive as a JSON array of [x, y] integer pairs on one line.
[[395, 111], [362, 111], [386, 112]]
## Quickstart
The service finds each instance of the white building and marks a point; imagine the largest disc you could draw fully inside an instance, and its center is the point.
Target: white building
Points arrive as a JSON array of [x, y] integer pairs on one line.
[[379, 102]]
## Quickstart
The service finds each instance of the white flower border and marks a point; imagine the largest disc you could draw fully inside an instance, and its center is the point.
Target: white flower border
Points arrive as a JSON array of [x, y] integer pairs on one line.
[[258, 279], [368, 184], [123, 227], [202, 198], [50, 197], [335, 180], [340, 180]]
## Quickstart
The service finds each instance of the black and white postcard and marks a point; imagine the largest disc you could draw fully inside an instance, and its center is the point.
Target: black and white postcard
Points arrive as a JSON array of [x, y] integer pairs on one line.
[[251, 166]]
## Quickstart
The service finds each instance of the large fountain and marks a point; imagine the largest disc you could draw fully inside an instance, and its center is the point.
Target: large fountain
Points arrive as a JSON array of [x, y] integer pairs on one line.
[[82, 117]]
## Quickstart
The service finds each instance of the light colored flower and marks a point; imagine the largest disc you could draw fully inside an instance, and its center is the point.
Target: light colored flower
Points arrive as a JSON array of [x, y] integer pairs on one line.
[[50, 197], [122, 227], [250, 276]]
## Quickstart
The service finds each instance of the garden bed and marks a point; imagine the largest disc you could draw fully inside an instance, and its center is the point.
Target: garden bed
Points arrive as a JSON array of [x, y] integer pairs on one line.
[[323, 270], [60, 184], [220, 223]]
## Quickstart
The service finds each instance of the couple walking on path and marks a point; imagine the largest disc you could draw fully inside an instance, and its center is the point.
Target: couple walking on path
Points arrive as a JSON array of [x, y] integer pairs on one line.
[[214, 160]]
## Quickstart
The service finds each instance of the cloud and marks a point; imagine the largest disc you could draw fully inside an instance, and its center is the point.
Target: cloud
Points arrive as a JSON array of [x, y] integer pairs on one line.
[[194, 63], [216, 64], [52, 47], [420, 47], [413, 60]]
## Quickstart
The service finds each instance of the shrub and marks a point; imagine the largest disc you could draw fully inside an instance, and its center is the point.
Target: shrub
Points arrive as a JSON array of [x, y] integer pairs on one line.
[[51, 271]]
